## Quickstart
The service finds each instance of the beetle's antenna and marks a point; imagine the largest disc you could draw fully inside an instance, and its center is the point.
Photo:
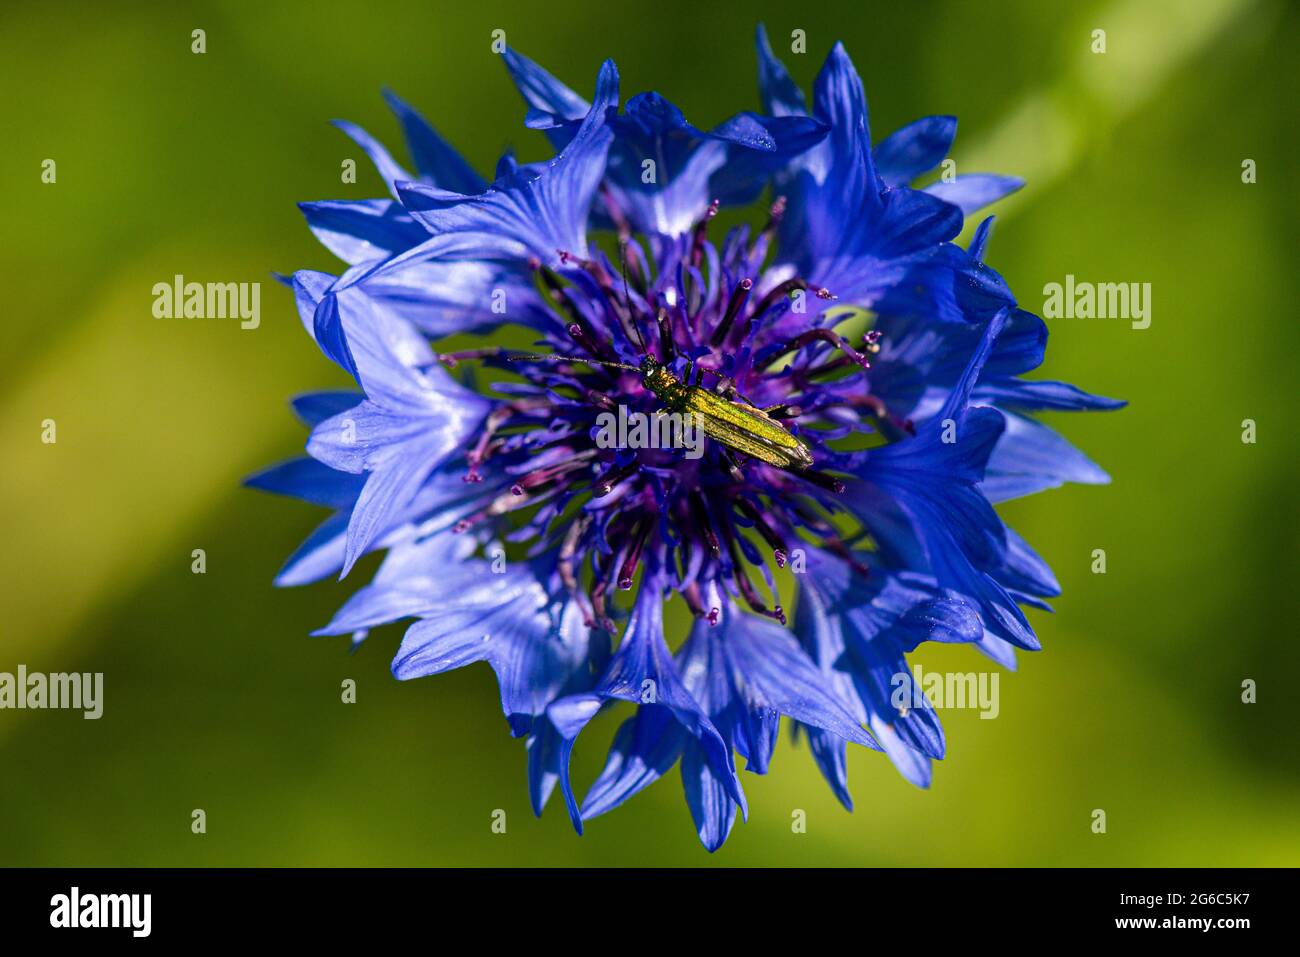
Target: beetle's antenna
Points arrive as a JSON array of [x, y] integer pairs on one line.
[[552, 357], [627, 298]]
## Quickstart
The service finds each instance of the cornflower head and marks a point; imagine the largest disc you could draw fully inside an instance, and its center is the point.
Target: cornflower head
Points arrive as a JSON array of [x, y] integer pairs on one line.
[[857, 375]]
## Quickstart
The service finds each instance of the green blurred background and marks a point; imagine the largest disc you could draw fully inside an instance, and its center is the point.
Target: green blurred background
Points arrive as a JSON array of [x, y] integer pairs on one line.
[[215, 698]]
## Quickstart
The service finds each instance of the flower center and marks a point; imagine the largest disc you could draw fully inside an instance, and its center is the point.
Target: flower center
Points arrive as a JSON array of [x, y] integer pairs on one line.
[[771, 386]]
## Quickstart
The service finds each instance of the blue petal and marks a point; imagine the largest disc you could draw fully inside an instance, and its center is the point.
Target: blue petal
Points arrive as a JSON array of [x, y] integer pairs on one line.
[[879, 667], [320, 555], [915, 149], [309, 480], [461, 296], [543, 763], [443, 500], [1030, 457], [979, 242], [434, 158], [646, 746], [1010, 393], [642, 671], [361, 231], [757, 672], [415, 579], [711, 804], [934, 483], [390, 171], [1025, 570], [536, 643], [535, 214], [971, 192], [911, 763], [830, 752], [314, 408], [413, 420], [781, 96], [541, 91]]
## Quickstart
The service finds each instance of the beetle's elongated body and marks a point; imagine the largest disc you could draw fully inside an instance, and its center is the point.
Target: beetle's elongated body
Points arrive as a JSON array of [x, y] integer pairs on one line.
[[744, 428]]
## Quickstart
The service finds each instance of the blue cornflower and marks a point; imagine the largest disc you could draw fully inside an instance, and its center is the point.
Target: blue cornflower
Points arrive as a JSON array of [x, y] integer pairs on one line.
[[913, 431]]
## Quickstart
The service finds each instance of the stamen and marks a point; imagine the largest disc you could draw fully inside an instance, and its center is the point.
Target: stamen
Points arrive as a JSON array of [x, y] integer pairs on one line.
[[598, 597], [552, 290], [606, 483], [495, 420], [568, 575], [768, 533], [775, 213], [701, 232], [745, 586], [737, 301], [615, 211], [702, 524], [666, 344], [823, 335], [450, 359], [541, 476], [822, 480], [774, 295], [628, 570], [584, 341]]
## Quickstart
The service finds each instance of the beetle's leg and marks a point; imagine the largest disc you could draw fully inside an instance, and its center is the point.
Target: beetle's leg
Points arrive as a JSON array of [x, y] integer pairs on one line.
[[733, 467], [729, 391]]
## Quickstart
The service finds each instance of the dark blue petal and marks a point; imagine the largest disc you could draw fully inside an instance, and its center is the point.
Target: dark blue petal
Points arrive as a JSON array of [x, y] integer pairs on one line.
[[642, 671], [538, 214], [541, 91], [1025, 570], [971, 192], [534, 642], [364, 230], [314, 408], [434, 158], [1010, 393], [770, 676], [709, 799], [830, 752], [1030, 457], [781, 96], [415, 416], [915, 149], [979, 242], [933, 482], [646, 747], [319, 556], [309, 480], [390, 171]]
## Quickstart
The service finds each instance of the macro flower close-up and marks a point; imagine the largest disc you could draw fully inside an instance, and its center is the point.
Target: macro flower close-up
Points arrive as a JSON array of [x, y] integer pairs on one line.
[[573, 446], [860, 382]]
